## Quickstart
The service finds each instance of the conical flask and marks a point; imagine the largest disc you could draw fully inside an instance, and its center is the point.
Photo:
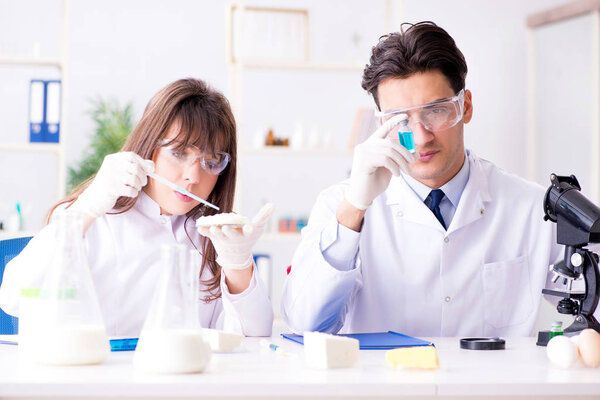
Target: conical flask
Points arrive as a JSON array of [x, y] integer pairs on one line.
[[60, 322], [171, 340]]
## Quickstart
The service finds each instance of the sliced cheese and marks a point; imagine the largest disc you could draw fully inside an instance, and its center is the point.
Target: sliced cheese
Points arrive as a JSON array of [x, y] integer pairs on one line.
[[322, 350], [222, 219], [419, 357], [221, 341]]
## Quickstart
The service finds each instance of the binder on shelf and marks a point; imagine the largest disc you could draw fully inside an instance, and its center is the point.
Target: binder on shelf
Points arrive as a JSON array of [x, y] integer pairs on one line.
[[52, 111], [44, 111], [36, 111]]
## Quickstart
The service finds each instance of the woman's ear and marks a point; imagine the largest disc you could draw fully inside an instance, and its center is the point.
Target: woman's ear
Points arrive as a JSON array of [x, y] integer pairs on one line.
[[468, 112]]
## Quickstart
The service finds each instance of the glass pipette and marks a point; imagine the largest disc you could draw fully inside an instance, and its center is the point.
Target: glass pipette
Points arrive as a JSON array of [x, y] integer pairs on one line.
[[182, 190]]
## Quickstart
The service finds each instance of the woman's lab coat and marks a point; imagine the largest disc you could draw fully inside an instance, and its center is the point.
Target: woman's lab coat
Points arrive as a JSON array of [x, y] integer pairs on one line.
[[124, 257], [482, 277]]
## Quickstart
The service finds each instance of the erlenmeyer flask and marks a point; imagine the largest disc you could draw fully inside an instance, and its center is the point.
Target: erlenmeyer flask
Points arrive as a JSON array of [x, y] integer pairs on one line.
[[171, 340], [60, 322]]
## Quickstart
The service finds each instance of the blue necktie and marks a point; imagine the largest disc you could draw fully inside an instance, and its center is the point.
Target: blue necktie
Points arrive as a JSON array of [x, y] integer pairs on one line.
[[436, 197]]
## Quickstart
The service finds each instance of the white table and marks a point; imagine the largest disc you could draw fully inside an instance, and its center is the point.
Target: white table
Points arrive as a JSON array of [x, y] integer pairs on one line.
[[521, 371]]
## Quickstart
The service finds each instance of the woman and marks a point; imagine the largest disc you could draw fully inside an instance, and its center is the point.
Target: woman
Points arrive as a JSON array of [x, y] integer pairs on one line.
[[187, 135]]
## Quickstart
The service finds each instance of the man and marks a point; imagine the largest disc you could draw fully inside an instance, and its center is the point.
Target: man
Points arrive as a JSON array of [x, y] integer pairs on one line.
[[439, 243]]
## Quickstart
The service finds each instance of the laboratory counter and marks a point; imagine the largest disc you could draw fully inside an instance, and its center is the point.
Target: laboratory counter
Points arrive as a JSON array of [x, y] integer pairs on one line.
[[521, 371]]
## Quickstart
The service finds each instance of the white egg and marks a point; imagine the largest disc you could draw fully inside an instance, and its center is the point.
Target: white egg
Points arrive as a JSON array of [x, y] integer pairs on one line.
[[575, 339], [562, 352]]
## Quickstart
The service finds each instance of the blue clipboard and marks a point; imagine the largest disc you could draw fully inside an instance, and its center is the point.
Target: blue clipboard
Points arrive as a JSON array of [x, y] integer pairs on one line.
[[374, 341]]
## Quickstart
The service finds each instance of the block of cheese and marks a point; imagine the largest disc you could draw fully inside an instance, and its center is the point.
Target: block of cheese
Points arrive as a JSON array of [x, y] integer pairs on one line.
[[222, 219], [419, 357], [322, 350], [221, 341]]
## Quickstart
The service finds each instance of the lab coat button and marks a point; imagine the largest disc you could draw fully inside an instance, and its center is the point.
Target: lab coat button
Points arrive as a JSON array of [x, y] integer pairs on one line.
[[446, 239], [400, 213], [163, 220], [447, 299]]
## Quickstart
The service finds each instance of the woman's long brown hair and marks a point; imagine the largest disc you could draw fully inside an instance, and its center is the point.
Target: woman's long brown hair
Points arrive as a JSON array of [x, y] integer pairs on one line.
[[206, 121]]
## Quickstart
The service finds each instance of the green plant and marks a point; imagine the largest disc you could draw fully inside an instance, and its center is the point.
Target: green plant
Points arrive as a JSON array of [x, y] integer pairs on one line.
[[113, 124]]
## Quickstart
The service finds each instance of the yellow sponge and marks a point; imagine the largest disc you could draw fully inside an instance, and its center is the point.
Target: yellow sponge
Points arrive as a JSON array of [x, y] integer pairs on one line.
[[421, 357]]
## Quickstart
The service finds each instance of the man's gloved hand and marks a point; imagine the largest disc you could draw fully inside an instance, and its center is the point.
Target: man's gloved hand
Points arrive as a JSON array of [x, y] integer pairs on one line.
[[234, 245], [375, 161], [121, 174]]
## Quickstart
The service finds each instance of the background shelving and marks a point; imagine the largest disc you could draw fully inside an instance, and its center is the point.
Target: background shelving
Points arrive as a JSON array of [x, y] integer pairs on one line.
[[292, 178], [20, 159]]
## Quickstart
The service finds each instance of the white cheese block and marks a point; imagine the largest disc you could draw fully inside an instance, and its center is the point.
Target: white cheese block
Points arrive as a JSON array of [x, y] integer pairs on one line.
[[322, 350], [222, 219], [221, 341]]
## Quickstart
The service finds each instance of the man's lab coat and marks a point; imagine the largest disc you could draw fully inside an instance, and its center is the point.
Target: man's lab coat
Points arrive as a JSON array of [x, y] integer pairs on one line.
[[482, 277]]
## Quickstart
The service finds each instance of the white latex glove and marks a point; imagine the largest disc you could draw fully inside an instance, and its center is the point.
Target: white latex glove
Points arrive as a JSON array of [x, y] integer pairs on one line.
[[375, 161], [234, 245], [121, 174]]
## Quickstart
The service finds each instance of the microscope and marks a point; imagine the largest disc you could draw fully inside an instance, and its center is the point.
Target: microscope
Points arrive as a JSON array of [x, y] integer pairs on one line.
[[577, 224]]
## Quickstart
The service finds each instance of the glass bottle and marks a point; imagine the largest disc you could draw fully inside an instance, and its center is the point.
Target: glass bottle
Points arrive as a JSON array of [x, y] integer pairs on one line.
[[556, 329], [406, 136], [171, 339], [60, 322]]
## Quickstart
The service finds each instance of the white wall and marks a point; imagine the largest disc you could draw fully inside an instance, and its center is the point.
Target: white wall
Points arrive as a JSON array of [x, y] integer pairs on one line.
[[127, 50]]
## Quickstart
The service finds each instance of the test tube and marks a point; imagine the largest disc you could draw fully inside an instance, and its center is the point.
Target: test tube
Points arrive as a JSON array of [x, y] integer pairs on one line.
[[406, 136]]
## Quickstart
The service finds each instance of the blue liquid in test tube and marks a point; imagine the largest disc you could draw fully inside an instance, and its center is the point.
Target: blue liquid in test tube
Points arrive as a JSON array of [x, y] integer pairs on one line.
[[406, 136]]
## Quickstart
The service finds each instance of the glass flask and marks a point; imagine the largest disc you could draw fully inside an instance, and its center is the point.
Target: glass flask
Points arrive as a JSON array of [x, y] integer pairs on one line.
[[171, 339], [406, 136], [60, 322]]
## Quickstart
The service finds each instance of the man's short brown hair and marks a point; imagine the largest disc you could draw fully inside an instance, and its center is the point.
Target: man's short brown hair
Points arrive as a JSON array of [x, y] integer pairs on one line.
[[422, 47]]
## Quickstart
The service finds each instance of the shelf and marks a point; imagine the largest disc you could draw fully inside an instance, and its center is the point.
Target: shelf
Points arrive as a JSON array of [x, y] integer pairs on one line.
[[302, 65], [285, 150], [27, 61], [4, 235], [295, 236], [44, 147]]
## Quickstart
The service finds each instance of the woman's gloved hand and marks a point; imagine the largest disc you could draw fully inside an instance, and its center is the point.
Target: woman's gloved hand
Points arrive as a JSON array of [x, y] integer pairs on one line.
[[233, 244], [121, 174], [375, 161]]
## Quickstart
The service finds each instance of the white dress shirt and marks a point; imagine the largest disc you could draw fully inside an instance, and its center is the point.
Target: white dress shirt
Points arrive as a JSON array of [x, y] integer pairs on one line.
[[123, 252]]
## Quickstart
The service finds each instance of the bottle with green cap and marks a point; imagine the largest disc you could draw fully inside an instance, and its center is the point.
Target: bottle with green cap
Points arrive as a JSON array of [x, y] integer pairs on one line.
[[556, 329]]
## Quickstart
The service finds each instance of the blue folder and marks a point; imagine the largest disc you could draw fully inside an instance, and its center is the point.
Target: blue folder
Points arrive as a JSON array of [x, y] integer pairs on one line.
[[374, 341]]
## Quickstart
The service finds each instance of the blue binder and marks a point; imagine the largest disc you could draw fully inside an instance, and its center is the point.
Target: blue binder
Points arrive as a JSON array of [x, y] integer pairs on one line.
[[44, 110], [37, 105], [374, 341]]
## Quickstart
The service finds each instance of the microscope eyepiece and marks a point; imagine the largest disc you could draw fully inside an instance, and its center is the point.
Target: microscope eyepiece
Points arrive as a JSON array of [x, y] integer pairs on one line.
[[577, 217]]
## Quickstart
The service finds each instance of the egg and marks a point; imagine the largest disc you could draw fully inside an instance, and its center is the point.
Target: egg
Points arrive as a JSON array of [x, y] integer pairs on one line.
[[589, 348], [575, 339], [562, 352]]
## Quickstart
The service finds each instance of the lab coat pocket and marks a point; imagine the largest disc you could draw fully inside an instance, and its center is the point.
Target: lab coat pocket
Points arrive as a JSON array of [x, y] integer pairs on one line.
[[507, 292]]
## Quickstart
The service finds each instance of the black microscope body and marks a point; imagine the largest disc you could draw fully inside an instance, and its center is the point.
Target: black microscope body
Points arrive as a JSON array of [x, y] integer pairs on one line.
[[578, 224]]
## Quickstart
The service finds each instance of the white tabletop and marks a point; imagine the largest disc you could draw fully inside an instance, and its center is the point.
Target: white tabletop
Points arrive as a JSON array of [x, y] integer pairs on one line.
[[521, 370]]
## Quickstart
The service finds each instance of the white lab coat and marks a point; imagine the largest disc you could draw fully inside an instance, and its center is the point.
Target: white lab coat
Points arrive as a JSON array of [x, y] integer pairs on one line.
[[482, 277], [124, 257]]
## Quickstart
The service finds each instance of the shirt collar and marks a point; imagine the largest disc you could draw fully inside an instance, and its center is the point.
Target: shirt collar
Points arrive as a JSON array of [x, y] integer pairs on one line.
[[453, 189], [147, 205]]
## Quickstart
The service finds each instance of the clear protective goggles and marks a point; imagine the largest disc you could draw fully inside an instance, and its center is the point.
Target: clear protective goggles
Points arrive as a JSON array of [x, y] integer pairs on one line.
[[183, 156], [436, 116]]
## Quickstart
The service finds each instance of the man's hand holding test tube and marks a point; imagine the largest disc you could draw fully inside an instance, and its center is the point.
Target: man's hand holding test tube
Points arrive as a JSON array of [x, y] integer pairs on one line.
[[375, 161]]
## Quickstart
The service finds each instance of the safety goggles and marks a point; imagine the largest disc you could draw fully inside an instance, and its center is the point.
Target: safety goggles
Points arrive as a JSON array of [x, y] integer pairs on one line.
[[182, 156], [436, 116]]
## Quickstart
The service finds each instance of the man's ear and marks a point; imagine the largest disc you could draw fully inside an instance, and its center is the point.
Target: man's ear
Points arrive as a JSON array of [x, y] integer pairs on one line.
[[468, 113]]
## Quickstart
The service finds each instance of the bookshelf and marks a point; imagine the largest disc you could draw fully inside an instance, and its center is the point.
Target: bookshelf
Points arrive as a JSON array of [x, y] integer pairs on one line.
[[50, 156]]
